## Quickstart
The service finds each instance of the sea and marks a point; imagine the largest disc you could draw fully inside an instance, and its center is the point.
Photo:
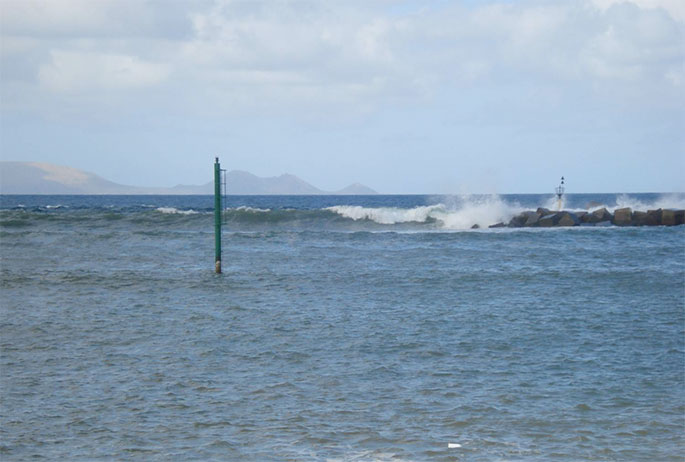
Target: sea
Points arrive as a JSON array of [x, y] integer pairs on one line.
[[343, 328]]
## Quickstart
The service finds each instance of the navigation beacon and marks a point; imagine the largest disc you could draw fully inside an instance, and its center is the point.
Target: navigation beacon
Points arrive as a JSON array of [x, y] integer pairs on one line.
[[560, 193]]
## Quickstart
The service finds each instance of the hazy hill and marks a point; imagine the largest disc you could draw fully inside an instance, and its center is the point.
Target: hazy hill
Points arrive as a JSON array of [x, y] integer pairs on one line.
[[357, 189], [43, 178]]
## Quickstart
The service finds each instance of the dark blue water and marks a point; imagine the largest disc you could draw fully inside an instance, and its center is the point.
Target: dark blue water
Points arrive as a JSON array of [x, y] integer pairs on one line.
[[371, 328]]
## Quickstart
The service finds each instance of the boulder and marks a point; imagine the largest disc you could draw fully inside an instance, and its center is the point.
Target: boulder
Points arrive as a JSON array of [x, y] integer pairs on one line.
[[533, 219], [598, 216], [476, 226], [680, 217], [528, 218], [519, 220], [640, 218], [650, 218], [567, 219], [543, 217], [655, 216], [668, 217], [672, 217], [549, 220], [623, 217]]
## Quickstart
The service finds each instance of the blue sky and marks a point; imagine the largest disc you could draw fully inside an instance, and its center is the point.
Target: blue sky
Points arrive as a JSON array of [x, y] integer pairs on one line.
[[403, 96]]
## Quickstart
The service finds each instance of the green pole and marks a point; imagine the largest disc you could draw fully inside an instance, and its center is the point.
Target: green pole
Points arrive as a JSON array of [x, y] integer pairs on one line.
[[217, 216]]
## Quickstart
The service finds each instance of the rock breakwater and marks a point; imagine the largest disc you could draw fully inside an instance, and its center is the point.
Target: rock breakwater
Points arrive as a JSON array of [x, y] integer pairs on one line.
[[545, 218]]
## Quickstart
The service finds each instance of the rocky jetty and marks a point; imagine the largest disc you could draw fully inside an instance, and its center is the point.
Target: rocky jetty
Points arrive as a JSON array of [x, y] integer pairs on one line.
[[545, 218]]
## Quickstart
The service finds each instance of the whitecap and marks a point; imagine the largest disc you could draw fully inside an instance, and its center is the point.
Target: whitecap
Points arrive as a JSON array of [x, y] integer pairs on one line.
[[244, 208], [386, 215], [173, 210], [461, 212]]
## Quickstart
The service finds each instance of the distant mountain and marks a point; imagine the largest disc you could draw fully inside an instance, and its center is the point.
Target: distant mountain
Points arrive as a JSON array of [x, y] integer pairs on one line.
[[239, 182], [357, 189], [44, 178]]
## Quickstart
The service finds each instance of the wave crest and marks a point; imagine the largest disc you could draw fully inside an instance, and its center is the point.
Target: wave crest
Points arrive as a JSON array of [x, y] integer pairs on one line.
[[175, 211], [387, 215], [244, 208], [463, 212]]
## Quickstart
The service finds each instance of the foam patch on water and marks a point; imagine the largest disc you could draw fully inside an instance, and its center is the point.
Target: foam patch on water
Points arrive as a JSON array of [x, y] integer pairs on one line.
[[244, 208], [173, 210]]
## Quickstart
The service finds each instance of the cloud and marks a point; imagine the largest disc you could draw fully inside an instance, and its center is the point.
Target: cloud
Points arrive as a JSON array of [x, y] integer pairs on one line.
[[674, 8], [373, 54], [71, 71], [45, 18], [270, 55], [125, 19], [634, 44]]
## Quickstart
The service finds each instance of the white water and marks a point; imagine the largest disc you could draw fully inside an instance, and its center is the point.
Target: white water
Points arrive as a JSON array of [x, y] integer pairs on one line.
[[388, 215], [251, 209], [174, 210], [459, 213], [666, 201]]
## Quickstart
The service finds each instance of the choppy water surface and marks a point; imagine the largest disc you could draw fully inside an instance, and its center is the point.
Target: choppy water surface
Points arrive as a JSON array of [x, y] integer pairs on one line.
[[346, 329]]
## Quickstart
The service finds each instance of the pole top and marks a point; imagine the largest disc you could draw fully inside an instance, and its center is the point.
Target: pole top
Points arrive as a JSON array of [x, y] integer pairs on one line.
[[560, 189]]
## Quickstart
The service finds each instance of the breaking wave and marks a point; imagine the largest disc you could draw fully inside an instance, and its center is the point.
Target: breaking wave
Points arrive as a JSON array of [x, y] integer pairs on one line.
[[173, 210], [464, 213], [389, 213], [251, 209]]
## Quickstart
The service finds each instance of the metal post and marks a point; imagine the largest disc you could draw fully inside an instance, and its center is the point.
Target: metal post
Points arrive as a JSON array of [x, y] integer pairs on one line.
[[217, 216], [560, 193]]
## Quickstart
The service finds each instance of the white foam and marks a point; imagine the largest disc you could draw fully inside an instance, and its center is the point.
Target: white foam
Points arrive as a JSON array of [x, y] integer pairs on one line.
[[552, 203], [665, 201], [387, 215], [462, 212], [174, 210], [244, 208], [483, 211]]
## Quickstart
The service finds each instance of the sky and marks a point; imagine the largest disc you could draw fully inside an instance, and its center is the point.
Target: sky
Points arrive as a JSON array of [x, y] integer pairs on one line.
[[407, 97]]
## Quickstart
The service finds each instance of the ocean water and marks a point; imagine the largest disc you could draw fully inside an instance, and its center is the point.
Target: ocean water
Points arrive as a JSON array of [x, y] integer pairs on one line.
[[363, 328]]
